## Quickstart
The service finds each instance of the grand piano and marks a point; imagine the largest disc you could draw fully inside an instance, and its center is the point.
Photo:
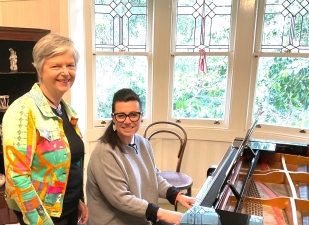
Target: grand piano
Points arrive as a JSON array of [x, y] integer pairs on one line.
[[256, 182]]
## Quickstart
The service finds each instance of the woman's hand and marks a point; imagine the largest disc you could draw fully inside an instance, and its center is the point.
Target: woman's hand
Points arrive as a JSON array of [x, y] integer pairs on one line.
[[186, 201], [169, 216], [82, 213]]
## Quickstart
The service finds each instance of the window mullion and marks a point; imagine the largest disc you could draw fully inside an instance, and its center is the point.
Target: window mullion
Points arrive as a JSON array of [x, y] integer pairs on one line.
[[233, 25], [174, 27], [259, 25]]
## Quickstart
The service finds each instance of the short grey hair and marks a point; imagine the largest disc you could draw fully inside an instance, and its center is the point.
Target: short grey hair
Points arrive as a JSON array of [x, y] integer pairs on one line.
[[52, 45]]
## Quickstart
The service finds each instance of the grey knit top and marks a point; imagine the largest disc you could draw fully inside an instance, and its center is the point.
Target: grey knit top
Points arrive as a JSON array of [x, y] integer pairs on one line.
[[120, 185]]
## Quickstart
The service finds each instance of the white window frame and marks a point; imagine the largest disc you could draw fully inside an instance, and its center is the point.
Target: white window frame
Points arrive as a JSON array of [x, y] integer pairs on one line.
[[146, 120], [242, 64], [265, 129], [198, 122]]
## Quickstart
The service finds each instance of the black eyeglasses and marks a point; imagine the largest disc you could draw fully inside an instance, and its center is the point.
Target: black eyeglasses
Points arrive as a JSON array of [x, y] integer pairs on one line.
[[121, 117]]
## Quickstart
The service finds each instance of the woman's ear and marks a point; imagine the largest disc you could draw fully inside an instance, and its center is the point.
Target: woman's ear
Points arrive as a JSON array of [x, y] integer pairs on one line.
[[141, 117], [113, 119], [39, 75]]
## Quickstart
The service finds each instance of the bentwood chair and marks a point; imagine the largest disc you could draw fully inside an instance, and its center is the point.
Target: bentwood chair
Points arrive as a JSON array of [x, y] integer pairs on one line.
[[175, 178]]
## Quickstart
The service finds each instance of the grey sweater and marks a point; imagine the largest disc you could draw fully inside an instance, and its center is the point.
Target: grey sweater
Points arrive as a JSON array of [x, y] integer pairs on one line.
[[120, 185]]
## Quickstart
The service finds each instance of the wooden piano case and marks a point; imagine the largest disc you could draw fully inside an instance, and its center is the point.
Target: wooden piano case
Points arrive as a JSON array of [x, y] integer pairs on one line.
[[267, 181], [285, 200]]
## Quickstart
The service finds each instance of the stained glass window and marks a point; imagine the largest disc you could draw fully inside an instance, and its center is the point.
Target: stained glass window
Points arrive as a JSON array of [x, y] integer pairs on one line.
[[190, 33], [286, 26], [282, 86], [121, 25]]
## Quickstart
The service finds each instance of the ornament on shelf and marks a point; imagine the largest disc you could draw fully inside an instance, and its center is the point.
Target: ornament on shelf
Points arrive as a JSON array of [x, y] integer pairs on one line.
[[2, 179], [4, 102], [13, 60]]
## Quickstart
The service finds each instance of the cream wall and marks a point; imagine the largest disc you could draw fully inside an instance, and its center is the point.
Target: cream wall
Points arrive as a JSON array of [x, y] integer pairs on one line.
[[43, 14]]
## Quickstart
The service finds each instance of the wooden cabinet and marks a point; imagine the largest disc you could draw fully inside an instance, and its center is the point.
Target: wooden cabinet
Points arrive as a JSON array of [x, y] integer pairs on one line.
[[16, 83], [7, 216]]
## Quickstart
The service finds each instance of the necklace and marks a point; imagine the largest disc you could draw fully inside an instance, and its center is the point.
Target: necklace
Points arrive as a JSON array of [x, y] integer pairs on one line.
[[57, 109]]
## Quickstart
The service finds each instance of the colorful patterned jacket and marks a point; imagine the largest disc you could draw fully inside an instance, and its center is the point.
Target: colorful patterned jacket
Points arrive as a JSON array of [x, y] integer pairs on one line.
[[36, 157]]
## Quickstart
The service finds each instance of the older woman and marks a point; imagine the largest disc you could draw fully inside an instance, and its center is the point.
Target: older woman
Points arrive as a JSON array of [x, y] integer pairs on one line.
[[123, 183], [43, 150]]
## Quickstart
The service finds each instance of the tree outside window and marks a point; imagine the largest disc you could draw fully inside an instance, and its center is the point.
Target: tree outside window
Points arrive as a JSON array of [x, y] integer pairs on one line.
[[282, 86]]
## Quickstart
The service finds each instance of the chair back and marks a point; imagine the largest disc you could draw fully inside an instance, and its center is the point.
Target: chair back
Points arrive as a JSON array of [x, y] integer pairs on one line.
[[183, 141]]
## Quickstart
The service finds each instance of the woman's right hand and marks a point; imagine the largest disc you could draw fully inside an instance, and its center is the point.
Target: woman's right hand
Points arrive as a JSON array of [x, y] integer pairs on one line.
[[169, 216]]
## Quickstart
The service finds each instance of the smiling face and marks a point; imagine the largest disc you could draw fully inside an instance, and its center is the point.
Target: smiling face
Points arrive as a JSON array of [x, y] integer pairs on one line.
[[127, 129], [57, 76]]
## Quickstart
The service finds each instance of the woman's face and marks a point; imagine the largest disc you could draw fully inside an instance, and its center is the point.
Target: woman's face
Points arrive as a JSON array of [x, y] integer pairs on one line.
[[58, 74], [127, 128]]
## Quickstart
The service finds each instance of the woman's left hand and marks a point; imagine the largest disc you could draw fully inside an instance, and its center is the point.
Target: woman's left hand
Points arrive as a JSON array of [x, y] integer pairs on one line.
[[82, 213], [186, 201]]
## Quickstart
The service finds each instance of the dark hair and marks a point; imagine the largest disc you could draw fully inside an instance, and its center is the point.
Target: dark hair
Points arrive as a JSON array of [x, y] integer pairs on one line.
[[110, 136]]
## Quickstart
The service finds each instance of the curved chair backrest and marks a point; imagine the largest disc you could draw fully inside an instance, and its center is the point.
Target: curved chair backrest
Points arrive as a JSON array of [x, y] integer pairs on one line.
[[183, 141]]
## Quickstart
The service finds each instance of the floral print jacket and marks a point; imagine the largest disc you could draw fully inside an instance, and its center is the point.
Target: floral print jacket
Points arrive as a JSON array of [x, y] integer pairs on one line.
[[36, 157]]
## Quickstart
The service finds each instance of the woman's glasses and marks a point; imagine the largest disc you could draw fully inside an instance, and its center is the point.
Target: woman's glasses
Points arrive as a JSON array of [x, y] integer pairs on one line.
[[121, 117]]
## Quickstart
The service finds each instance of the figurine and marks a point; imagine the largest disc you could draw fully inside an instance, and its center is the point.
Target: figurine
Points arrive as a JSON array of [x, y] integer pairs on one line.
[[2, 179], [13, 60], [4, 102]]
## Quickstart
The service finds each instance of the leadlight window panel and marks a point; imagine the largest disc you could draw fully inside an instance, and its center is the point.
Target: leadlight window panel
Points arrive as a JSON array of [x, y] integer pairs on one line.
[[120, 25], [189, 36], [286, 26], [199, 97], [117, 72]]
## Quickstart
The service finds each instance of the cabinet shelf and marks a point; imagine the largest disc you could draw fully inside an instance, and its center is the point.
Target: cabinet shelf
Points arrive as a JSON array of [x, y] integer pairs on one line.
[[17, 72], [22, 34]]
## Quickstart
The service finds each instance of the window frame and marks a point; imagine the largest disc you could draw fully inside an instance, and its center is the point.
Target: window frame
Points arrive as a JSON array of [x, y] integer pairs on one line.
[[266, 128], [149, 40], [198, 122], [242, 79]]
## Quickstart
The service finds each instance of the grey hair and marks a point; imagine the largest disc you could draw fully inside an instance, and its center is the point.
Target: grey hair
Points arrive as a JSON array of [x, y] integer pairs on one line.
[[50, 46]]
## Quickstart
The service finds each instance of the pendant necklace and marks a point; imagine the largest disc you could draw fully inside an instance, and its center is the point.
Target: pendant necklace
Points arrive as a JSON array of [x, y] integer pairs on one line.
[[57, 109]]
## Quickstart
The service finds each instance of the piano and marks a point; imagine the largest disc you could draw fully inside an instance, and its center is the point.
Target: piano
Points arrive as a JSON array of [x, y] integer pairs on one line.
[[257, 182]]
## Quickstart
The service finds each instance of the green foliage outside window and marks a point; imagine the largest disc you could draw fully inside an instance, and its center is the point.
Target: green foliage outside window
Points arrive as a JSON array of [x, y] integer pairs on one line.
[[282, 91], [199, 96], [282, 87], [116, 72]]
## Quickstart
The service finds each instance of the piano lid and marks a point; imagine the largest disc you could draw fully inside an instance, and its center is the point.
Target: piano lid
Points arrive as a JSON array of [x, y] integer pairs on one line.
[[211, 191]]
